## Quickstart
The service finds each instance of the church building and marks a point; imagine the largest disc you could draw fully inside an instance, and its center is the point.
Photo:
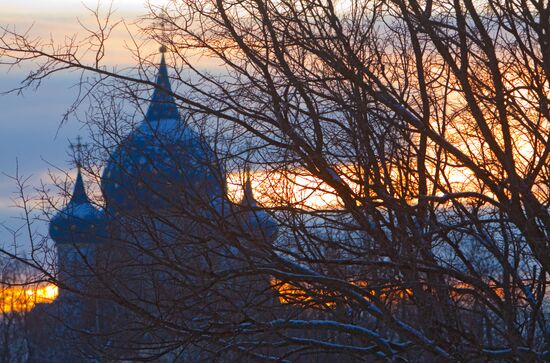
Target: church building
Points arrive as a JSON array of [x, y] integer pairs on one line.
[[155, 258]]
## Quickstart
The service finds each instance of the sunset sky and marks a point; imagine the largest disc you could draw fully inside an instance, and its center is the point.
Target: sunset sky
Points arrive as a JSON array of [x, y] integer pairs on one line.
[[32, 137], [30, 130]]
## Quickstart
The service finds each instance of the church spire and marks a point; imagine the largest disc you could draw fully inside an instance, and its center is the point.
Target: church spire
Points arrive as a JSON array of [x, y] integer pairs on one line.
[[162, 104], [248, 195], [255, 218], [79, 193], [79, 221]]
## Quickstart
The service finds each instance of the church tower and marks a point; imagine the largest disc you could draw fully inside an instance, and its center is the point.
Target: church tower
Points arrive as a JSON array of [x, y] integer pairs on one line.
[[165, 239], [76, 230]]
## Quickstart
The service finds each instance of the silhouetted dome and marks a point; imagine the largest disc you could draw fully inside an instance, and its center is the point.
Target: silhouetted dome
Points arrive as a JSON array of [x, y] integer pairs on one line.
[[163, 162], [79, 221]]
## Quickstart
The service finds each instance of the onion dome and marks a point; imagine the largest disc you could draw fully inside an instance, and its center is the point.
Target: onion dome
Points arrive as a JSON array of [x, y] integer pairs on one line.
[[255, 219], [79, 221], [163, 163]]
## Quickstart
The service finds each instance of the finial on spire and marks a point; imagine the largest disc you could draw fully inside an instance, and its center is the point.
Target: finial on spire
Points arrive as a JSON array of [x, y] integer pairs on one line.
[[77, 151], [163, 48]]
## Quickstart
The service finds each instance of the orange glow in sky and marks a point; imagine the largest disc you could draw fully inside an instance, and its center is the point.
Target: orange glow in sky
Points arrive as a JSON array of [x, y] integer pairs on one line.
[[290, 294], [297, 188], [25, 298]]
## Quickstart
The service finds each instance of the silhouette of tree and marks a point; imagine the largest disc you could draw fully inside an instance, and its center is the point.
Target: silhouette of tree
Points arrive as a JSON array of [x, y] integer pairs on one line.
[[423, 125]]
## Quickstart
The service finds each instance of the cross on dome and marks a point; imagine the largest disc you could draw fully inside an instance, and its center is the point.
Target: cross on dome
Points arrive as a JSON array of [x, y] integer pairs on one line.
[[77, 150]]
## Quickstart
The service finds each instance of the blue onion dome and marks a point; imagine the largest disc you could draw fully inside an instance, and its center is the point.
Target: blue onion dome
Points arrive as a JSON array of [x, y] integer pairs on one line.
[[256, 219], [163, 163], [79, 221]]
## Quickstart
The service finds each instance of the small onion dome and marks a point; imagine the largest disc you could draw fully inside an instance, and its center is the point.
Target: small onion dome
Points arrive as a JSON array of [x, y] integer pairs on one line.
[[79, 221], [163, 163], [257, 220]]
